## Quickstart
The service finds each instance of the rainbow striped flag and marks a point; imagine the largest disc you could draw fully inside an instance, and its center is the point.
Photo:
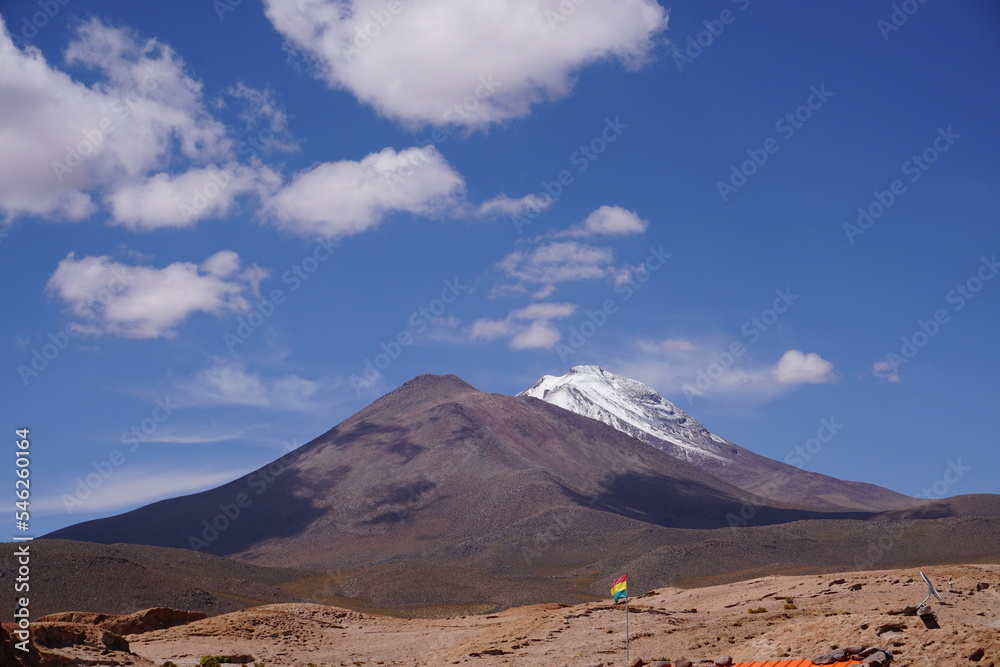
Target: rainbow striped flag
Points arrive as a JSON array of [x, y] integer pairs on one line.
[[618, 588]]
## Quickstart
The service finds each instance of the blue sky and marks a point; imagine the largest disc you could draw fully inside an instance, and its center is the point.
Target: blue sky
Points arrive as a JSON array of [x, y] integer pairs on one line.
[[217, 216]]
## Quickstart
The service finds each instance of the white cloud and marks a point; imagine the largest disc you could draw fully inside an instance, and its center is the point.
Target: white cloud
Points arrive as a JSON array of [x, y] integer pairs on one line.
[[527, 328], [134, 487], [678, 344], [469, 63], [65, 142], [182, 200], [265, 119], [228, 382], [130, 301], [607, 221], [885, 371], [692, 370], [336, 199], [540, 334], [544, 311], [557, 262], [504, 205], [796, 367]]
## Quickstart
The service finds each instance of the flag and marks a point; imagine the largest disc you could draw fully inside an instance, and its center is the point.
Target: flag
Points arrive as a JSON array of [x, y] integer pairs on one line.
[[618, 588]]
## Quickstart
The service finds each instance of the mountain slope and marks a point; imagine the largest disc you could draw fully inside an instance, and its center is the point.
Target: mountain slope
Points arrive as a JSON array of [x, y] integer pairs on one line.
[[436, 468], [440, 499], [636, 409]]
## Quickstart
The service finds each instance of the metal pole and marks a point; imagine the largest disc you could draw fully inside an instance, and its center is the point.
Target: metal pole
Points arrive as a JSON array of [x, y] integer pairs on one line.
[[626, 628]]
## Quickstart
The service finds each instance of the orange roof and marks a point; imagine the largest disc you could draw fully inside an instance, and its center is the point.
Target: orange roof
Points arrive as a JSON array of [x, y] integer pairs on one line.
[[793, 663]]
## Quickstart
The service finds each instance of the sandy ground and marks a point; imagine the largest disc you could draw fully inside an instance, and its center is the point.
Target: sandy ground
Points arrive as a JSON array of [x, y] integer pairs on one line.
[[832, 611]]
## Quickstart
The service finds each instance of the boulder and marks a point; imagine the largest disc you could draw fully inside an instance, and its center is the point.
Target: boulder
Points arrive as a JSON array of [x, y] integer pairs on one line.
[[878, 659], [724, 661]]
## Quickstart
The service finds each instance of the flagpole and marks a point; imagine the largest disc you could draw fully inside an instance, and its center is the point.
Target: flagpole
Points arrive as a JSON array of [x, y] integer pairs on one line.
[[626, 626]]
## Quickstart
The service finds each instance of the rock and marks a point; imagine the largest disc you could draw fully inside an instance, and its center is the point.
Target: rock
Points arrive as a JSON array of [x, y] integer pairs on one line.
[[905, 611], [977, 655], [683, 663], [857, 587], [659, 663], [147, 620], [837, 582], [878, 659], [838, 654], [982, 586], [825, 659], [62, 635], [889, 629], [855, 650], [636, 663], [724, 661]]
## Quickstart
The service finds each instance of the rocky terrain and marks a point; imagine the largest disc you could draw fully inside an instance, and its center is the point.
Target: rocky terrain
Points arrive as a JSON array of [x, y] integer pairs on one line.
[[768, 618]]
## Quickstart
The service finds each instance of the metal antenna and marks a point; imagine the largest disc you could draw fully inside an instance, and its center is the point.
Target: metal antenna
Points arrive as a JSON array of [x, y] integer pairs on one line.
[[933, 592]]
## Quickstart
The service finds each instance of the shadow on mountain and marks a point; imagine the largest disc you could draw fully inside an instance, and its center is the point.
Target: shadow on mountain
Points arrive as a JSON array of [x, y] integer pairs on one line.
[[275, 506], [683, 503]]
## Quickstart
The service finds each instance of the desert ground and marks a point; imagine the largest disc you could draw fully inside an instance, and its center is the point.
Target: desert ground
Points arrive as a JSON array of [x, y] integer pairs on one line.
[[700, 624]]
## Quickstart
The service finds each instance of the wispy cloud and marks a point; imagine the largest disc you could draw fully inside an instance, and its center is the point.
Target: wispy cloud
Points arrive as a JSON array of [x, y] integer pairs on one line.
[[607, 221], [526, 328], [132, 487], [227, 381], [684, 368], [885, 371]]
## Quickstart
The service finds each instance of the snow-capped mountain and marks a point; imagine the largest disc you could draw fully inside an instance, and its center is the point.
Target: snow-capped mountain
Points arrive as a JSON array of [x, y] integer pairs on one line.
[[633, 408], [636, 409]]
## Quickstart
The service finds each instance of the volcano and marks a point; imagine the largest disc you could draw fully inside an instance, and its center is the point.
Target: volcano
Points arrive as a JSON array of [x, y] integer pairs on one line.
[[438, 495]]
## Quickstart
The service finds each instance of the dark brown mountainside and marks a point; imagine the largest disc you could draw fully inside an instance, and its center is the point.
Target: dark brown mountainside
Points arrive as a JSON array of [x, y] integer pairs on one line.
[[441, 496]]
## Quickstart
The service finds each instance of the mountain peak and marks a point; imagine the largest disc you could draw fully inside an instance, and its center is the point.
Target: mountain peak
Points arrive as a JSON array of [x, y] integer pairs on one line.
[[638, 410], [630, 406]]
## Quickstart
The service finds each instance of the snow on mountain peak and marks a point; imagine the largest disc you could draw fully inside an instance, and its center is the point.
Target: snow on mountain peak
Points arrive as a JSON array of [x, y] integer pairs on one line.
[[632, 407]]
